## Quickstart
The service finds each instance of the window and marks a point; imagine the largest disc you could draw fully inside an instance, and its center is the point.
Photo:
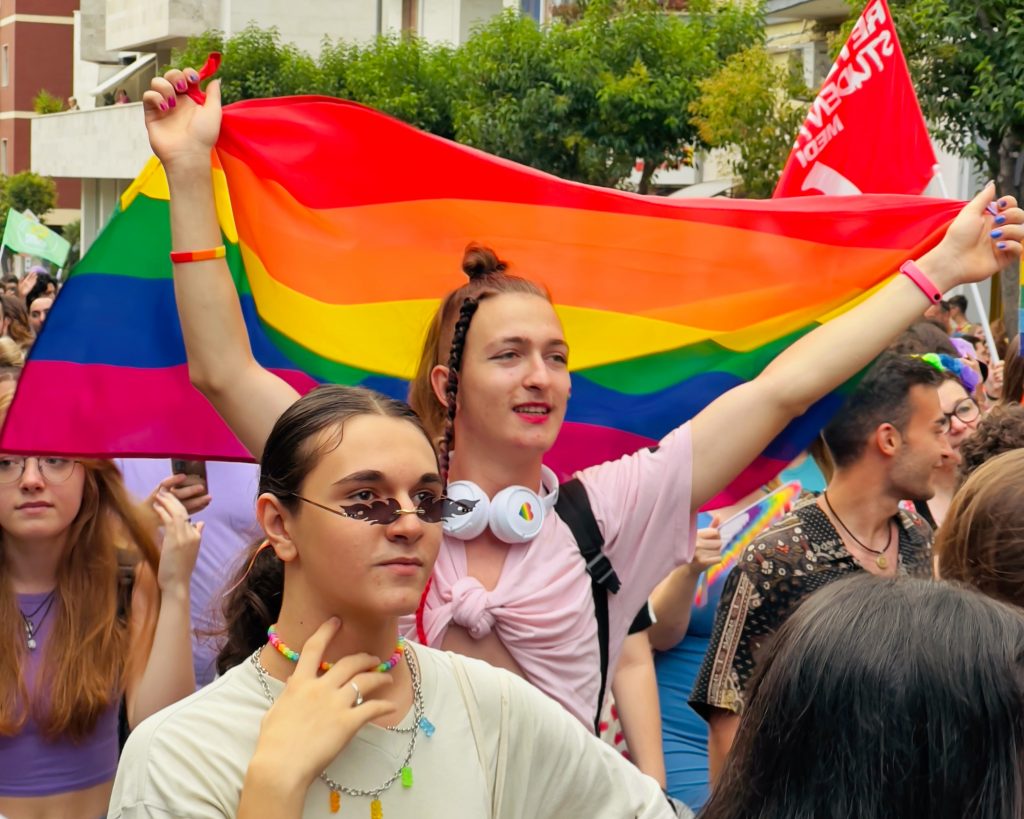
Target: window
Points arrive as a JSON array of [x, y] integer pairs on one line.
[[5, 72], [531, 8], [3, 157]]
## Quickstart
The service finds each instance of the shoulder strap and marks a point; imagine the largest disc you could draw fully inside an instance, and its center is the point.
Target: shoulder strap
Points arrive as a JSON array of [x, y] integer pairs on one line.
[[573, 507], [473, 712]]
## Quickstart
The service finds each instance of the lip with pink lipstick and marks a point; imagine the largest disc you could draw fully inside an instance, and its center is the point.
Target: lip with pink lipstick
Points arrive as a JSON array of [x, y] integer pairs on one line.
[[533, 412]]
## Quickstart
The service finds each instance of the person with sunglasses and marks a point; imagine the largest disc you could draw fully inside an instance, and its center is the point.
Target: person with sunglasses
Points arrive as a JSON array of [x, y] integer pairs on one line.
[[321, 706], [93, 618], [961, 413]]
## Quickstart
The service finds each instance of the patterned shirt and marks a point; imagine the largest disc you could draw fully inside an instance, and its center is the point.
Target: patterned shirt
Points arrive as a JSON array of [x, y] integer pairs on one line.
[[790, 561]]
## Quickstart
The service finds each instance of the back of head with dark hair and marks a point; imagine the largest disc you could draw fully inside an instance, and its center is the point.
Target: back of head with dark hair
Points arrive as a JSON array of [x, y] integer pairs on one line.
[[881, 397], [881, 699], [304, 431], [922, 337], [1001, 430], [959, 302]]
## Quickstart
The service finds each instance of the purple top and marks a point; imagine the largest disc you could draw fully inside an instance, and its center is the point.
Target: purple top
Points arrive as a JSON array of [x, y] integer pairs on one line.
[[31, 764]]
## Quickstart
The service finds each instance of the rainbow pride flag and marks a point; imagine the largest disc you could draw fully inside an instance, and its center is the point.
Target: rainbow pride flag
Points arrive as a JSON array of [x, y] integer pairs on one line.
[[344, 227]]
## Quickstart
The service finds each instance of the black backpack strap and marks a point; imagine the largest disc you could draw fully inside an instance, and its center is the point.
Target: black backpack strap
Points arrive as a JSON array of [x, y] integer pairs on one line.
[[644, 619], [573, 507]]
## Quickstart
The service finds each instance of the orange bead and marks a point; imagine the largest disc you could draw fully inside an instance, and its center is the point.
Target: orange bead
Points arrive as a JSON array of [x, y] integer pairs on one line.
[[335, 801]]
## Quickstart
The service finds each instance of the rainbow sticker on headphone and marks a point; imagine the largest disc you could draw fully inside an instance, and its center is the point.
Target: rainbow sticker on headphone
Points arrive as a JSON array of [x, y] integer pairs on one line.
[[526, 512]]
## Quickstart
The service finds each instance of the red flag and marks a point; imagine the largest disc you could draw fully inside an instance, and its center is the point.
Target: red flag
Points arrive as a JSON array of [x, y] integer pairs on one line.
[[865, 132]]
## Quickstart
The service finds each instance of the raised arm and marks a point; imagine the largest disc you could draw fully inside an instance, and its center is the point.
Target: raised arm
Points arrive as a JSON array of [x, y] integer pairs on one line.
[[734, 429], [220, 361]]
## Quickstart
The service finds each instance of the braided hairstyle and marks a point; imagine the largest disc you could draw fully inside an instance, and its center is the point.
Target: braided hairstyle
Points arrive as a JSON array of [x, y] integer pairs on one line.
[[446, 340], [451, 393]]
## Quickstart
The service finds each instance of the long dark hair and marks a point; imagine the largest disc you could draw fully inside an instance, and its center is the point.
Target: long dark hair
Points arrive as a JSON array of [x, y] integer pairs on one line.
[[883, 699], [293, 450]]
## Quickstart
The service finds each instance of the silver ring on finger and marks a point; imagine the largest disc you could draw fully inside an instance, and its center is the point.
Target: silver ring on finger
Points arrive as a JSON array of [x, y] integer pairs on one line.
[[359, 697]]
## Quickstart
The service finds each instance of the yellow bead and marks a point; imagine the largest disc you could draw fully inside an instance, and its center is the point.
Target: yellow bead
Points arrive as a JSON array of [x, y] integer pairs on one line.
[[376, 811]]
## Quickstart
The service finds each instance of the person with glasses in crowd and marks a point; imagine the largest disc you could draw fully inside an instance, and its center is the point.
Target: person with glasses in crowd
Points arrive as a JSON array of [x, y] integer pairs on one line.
[[888, 443], [962, 413], [93, 619]]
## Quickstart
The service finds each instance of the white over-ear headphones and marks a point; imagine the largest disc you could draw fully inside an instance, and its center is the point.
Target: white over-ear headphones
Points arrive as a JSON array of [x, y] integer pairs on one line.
[[515, 515]]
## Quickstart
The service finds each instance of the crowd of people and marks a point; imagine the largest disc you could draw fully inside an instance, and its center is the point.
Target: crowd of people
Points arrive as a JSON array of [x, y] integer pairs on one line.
[[366, 624]]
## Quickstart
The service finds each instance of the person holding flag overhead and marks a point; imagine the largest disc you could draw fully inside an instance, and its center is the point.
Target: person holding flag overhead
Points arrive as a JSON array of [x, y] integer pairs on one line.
[[509, 586]]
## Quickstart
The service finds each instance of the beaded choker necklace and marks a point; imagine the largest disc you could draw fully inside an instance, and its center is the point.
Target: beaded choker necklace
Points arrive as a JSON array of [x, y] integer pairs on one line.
[[288, 653], [404, 772]]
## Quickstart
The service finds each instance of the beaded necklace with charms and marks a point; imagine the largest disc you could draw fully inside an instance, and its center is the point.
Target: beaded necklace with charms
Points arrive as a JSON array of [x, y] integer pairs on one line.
[[404, 772]]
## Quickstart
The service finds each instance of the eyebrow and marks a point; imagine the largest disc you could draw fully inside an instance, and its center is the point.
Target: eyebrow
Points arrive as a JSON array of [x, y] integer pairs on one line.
[[376, 476], [561, 342]]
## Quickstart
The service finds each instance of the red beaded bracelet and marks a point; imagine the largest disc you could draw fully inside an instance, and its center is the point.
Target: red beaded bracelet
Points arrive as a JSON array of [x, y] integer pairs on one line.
[[185, 256], [910, 269]]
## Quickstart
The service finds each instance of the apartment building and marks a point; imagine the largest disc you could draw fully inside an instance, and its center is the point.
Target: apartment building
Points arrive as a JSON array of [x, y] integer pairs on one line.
[[119, 44], [36, 53]]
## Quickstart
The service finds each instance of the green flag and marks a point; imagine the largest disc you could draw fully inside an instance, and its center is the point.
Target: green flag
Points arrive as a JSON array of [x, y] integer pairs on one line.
[[25, 236]]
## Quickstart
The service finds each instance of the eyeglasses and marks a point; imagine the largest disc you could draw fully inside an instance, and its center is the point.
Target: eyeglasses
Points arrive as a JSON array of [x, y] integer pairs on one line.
[[53, 470], [965, 412], [387, 511]]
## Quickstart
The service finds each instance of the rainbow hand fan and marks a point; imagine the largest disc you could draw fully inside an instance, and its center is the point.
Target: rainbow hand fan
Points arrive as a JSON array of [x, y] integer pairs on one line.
[[739, 531]]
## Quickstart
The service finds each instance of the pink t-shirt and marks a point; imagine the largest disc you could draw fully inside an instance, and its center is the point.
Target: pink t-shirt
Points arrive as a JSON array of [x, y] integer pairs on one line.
[[542, 608]]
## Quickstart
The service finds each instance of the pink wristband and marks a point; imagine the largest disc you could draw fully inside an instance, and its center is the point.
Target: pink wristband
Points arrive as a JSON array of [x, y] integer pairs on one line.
[[910, 269]]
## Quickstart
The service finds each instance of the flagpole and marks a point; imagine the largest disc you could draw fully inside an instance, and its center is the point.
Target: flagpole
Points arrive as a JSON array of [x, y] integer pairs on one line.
[[990, 341]]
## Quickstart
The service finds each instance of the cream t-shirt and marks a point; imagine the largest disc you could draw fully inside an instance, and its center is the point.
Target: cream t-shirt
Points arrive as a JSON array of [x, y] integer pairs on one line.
[[190, 759]]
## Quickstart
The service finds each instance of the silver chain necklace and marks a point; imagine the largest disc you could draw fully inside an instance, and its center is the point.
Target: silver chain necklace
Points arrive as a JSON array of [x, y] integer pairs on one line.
[[29, 623], [419, 723]]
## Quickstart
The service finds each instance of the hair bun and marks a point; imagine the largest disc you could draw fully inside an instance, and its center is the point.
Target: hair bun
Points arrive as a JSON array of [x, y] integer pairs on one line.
[[480, 261]]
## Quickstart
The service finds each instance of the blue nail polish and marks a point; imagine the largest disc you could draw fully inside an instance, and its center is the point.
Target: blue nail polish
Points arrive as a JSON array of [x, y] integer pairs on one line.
[[1001, 245], [1000, 219], [193, 76], [1002, 203], [995, 234]]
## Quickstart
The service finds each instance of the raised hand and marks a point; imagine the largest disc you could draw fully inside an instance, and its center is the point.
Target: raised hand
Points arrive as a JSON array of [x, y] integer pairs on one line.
[[979, 242], [180, 131], [316, 716], [708, 549], [180, 546], [28, 281]]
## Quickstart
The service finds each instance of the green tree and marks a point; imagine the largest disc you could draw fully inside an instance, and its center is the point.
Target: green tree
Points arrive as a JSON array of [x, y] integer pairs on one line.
[[47, 103], [587, 95], [403, 76], [26, 190], [748, 106], [580, 98]]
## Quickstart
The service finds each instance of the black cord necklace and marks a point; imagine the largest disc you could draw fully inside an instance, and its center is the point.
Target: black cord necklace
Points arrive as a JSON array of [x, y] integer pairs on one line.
[[31, 626], [880, 559]]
